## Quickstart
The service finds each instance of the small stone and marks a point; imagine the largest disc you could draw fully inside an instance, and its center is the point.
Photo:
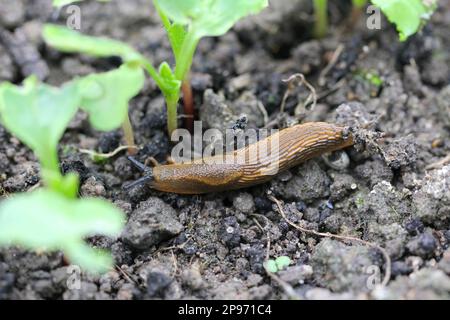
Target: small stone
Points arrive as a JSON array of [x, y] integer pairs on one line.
[[24, 53], [87, 291], [201, 81], [25, 174], [215, 113], [244, 202], [339, 267], [432, 200], [309, 183], [109, 141], [12, 13], [374, 172], [260, 293], [295, 275], [254, 279], [192, 277], [399, 268], [401, 152], [8, 70], [414, 226], [443, 103], [157, 283], [93, 187], [444, 264], [152, 222], [126, 292], [423, 245], [256, 255]]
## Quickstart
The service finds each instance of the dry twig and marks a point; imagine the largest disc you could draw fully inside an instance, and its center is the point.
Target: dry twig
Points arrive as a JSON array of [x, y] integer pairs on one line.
[[292, 82], [387, 274], [438, 164], [107, 155]]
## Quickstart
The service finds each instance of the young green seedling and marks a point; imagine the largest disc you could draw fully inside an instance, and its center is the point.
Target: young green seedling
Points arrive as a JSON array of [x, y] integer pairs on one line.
[[106, 94], [280, 263], [47, 220], [105, 97], [38, 115], [51, 218], [408, 15], [186, 22]]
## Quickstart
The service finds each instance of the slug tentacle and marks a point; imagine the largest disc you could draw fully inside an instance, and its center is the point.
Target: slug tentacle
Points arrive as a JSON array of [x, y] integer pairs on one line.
[[148, 177]]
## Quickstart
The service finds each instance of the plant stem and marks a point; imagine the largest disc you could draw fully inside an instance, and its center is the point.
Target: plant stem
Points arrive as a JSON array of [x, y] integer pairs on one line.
[[359, 3], [184, 63], [129, 136], [357, 10], [172, 117], [354, 16], [50, 167], [321, 18], [188, 101]]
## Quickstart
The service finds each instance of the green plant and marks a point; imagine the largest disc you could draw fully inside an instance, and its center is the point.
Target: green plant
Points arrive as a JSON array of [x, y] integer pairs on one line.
[[321, 18], [106, 94], [280, 263], [52, 218], [321, 15], [407, 15], [46, 220], [186, 22], [371, 76]]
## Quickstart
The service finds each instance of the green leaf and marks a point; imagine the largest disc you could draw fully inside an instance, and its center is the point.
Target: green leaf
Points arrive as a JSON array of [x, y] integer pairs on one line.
[[177, 34], [270, 266], [38, 115], [282, 262], [175, 31], [47, 220], [209, 17], [407, 15], [278, 264], [68, 40], [105, 96], [171, 85]]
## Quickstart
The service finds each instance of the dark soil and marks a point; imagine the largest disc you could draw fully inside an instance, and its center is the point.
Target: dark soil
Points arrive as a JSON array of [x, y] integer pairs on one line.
[[213, 246]]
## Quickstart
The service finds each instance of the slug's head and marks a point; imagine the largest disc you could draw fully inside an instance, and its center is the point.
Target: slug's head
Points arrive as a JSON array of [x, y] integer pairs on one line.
[[148, 174]]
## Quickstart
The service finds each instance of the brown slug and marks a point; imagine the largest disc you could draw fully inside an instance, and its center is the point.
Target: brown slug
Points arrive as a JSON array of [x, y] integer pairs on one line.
[[293, 146]]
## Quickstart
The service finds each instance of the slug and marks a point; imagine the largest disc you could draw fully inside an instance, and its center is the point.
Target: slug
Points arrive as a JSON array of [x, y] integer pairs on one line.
[[294, 145]]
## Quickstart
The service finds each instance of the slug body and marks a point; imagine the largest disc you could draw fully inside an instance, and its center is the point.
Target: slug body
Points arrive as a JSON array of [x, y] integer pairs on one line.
[[287, 148]]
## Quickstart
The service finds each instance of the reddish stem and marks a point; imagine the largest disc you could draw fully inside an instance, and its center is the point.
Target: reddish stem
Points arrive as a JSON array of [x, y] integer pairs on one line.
[[354, 17], [188, 101]]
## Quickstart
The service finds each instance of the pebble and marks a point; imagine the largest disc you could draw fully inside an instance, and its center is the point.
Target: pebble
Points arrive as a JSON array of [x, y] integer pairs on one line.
[[152, 222]]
